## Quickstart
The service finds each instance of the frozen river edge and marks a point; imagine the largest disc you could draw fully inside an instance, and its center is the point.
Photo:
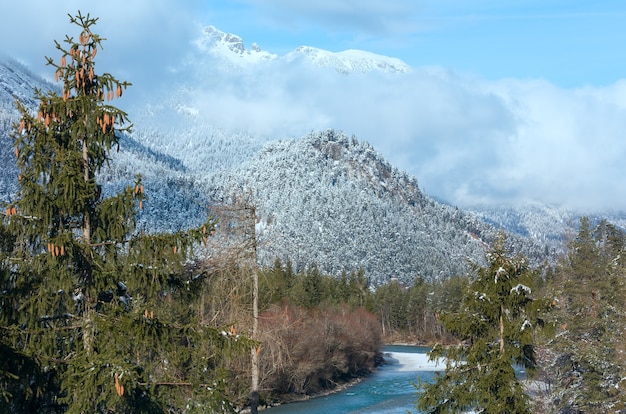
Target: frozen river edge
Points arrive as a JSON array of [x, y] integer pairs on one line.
[[413, 361]]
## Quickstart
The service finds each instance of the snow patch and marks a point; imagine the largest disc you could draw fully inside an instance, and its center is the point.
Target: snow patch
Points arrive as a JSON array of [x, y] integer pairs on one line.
[[499, 273], [521, 289], [414, 362]]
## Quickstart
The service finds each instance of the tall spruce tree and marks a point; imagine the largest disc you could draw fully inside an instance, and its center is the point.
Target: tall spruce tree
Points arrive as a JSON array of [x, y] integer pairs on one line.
[[496, 327], [94, 316]]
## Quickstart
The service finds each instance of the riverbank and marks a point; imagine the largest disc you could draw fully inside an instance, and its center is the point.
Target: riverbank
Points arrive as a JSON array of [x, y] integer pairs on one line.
[[402, 358], [388, 390], [306, 397], [340, 386]]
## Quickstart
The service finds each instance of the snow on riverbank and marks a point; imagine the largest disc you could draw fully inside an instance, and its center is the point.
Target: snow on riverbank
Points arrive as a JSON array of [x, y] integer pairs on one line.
[[413, 361]]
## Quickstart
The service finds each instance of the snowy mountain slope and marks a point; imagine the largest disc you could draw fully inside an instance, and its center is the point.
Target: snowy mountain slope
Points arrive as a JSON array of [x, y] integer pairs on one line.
[[230, 48], [348, 61], [535, 220], [16, 81], [8, 173], [544, 224], [132, 159], [334, 201], [202, 148]]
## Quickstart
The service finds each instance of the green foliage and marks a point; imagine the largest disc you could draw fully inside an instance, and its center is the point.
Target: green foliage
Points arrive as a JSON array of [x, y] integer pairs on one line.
[[496, 325], [403, 312], [586, 359], [94, 316], [412, 313], [310, 288]]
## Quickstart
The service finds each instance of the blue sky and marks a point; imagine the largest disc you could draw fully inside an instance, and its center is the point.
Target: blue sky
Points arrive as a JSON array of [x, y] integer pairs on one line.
[[570, 43], [508, 101], [567, 42]]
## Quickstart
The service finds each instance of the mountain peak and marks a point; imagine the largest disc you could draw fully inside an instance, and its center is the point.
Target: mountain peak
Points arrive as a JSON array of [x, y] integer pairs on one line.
[[233, 42], [230, 46]]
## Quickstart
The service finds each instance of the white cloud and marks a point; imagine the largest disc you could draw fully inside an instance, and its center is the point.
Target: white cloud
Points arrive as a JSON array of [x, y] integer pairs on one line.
[[466, 139], [569, 145]]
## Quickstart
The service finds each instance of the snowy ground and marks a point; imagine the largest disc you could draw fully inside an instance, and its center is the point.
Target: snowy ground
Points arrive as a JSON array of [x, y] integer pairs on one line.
[[414, 362]]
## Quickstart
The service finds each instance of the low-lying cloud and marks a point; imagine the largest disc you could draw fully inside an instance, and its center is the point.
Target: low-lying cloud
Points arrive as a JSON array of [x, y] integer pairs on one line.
[[467, 140]]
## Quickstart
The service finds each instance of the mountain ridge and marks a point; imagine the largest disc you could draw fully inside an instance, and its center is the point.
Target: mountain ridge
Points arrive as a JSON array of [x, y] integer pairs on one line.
[[230, 47]]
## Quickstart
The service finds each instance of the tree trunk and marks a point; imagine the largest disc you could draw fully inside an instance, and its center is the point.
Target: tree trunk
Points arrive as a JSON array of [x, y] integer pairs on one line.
[[86, 217], [501, 329], [254, 392], [88, 328]]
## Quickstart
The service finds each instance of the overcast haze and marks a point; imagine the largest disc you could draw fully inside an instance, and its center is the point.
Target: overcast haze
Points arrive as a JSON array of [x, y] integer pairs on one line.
[[506, 102]]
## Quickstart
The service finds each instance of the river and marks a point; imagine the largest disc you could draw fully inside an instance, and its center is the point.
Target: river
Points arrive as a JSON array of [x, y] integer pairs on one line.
[[389, 390]]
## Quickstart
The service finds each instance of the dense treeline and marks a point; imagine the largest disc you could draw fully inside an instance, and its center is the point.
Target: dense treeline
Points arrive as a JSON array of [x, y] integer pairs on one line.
[[404, 313], [411, 314]]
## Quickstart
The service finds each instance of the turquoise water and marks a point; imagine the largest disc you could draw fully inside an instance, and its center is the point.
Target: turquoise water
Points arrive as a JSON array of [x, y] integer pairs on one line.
[[389, 390]]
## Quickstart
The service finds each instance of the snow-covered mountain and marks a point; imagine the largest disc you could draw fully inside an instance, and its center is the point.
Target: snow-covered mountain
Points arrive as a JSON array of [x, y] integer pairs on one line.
[[230, 48], [348, 61], [332, 200]]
